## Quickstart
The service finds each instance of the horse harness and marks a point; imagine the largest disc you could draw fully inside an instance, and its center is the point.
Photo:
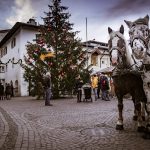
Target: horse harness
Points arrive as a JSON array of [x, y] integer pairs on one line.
[[146, 67], [136, 64], [145, 40]]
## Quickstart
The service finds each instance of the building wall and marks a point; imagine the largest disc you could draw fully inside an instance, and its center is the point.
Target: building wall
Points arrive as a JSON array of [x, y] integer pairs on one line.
[[104, 62], [11, 71], [26, 36], [14, 72]]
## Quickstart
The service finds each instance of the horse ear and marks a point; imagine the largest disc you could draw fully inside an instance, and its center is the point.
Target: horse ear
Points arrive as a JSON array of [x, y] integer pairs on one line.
[[122, 29], [129, 23], [146, 19], [109, 30]]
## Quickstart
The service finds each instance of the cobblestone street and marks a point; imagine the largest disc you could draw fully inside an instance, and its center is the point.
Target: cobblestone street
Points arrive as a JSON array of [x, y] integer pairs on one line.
[[26, 124]]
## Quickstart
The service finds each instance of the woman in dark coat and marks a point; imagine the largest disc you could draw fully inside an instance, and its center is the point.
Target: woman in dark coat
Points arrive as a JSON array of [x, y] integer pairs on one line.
[[104, 83], [8, 91], [1, 91]]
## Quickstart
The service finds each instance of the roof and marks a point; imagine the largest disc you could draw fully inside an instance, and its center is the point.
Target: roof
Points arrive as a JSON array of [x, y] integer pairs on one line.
[[16, 27], [96, 44], [4, 31], [96, 51]]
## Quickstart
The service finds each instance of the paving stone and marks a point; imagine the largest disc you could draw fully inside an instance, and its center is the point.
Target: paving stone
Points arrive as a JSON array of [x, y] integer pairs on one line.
[[67, 125]]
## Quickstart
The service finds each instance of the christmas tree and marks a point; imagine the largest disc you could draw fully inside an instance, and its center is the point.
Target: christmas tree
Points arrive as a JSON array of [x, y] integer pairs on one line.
[[55, 36]]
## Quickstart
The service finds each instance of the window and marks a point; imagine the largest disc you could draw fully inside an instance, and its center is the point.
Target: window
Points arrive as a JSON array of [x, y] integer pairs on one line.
[[94, 59], [2, 69], [5, 50], [6, 68], [103, 62], [2, 52], [13, 43]]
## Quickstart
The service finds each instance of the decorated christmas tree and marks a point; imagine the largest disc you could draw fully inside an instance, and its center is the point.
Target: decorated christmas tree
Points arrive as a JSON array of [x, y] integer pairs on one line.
[[56, 49]]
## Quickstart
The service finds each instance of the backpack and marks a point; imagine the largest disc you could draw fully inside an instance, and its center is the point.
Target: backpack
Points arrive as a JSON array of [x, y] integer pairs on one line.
[[104, 83]]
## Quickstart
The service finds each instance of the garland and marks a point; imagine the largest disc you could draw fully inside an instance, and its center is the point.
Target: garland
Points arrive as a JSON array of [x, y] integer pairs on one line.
[[11, 61]]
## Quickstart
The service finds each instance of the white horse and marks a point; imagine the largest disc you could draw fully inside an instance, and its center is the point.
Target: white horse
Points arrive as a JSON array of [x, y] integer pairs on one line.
[[124, 78], [140, 43]]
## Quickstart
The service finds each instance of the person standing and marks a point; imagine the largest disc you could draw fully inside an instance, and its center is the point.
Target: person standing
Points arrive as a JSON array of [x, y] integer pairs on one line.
[[99, 86], [78, 87], [94, 84], [48, 90], [8, 91], [12, 89], [1, 91], [104, 87]]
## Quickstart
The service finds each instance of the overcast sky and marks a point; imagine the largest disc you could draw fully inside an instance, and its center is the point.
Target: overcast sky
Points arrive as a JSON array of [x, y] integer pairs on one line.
[[100, 14]]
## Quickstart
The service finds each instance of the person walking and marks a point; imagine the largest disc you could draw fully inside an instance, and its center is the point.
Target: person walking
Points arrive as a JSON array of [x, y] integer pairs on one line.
[[48, 90], [78, 87], [94, 84]]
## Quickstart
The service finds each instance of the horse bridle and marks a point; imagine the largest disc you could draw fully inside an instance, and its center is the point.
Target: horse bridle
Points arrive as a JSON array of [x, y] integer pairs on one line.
[[145, 40], [120, 50], [137, 36]]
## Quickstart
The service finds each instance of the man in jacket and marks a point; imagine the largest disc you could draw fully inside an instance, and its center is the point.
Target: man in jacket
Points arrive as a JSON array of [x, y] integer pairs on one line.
[[94, 84]]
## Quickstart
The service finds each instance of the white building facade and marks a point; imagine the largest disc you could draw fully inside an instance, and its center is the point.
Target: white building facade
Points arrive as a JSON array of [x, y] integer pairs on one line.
[[13, 48], [98, 55]]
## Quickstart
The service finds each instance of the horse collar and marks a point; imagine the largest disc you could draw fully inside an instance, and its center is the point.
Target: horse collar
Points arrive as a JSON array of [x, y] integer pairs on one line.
[[135, 63], [146, 67]]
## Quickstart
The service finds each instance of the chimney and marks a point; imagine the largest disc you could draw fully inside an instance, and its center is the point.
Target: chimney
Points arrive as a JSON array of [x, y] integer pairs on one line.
[[32, 21]]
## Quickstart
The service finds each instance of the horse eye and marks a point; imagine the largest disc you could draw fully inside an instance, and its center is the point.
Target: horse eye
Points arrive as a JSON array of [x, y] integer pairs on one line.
[[130, 33], [133, 25]]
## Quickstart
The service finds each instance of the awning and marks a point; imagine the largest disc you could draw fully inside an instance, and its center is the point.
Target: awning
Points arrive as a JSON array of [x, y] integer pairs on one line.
[[94, 69], [107, 70]]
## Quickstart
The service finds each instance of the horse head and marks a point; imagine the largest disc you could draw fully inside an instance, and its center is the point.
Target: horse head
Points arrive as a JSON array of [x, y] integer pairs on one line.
[[139, 36], [117, 47]]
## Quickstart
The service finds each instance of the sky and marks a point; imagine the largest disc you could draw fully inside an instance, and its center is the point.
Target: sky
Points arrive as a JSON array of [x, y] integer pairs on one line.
[[100, 14]]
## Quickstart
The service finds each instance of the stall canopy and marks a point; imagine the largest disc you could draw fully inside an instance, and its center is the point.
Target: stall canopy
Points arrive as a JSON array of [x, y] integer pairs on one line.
[[107, 70]]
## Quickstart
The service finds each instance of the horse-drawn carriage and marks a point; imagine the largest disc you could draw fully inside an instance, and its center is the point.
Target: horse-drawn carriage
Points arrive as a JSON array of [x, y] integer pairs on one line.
[[132, 69]]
